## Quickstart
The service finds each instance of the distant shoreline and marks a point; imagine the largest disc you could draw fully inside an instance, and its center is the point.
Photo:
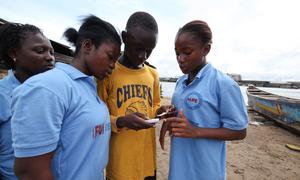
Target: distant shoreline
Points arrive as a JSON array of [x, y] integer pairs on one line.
[[258, 83]]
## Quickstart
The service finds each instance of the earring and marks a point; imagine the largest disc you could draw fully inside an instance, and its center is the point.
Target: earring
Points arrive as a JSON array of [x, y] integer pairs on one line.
[[14, 59]]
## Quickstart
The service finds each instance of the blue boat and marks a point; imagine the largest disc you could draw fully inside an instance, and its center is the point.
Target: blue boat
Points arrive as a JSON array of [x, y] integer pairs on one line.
[[283, 110]]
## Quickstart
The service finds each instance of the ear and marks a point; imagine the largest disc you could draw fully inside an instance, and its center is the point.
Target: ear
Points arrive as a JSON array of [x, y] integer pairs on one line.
[[12, 54], [124, 36], [206, 49], [87, 46]]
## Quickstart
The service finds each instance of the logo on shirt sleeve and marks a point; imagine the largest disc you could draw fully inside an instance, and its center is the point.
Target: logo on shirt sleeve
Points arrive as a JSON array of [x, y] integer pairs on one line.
[[193, 100]]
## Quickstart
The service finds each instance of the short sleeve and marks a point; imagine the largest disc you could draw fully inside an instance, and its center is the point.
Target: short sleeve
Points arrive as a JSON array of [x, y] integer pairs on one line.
[[232, 108], [156, 94], [37, 116]]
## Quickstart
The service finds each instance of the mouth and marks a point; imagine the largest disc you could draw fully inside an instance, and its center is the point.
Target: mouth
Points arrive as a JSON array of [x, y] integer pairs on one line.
[[108, 72], [181, 66], [50, 66]]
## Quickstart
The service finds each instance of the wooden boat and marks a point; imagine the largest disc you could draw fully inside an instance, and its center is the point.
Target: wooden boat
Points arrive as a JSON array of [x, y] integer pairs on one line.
[[283, 110]]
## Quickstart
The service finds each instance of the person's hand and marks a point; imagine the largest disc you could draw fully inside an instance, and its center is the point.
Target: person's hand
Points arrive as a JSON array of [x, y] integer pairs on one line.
[[135, 121], [166, 111], [163, 131], [181, 127]]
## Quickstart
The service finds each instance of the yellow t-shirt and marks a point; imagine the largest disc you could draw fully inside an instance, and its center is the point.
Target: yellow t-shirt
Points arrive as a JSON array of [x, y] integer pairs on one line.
[[132, 153]]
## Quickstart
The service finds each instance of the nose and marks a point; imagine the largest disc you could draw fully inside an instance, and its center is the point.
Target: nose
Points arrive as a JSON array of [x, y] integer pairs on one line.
[[143, 55], [50, 57], [180, 58]]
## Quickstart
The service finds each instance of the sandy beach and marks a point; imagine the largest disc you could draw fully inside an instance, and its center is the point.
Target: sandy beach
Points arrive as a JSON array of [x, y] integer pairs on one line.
[[261, 155]]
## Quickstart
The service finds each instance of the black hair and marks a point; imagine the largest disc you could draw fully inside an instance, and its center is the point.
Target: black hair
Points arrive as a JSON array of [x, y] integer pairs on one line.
[[148, 64], [95, 29], [143, 20], [12, 35], [199, 29]]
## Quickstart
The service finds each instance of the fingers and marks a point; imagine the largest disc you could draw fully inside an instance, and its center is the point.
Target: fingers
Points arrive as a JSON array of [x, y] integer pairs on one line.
[[174, 119], [181, 114], [179, 126], [140, 126], [162, 134], [141, 115], [136, 121], [177, 130], [179, 134], [171, 108], [166, 111], [144, 125]]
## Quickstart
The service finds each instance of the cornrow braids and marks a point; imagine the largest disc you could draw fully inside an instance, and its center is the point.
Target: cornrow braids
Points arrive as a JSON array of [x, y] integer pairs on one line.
[[12, 35]]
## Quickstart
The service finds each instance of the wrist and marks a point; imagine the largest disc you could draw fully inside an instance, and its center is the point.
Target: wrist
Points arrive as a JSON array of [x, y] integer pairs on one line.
[[120, 123], [198, 132]]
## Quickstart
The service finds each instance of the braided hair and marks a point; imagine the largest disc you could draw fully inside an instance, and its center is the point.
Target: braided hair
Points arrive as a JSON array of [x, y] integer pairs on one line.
[[12, 35]]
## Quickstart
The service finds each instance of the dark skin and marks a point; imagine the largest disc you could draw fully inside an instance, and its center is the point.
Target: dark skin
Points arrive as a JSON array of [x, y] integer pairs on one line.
[[35, 55], [139, 44], [91, 60], [34, 168], [191, 53], [88, 63]]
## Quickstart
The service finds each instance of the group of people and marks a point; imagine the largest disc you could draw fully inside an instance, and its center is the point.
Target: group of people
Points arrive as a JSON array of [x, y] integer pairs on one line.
[[88, 119]]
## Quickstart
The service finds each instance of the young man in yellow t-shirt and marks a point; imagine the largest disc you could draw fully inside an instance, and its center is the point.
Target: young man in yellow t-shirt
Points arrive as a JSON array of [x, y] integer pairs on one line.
[[132, 94]]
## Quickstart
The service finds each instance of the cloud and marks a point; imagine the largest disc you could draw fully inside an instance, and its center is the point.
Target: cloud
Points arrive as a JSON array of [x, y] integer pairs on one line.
[[258, 39]]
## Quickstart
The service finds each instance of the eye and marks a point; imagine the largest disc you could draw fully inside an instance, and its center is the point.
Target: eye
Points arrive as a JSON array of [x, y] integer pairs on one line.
[[187, 53], [52, 52], [40, 50], [110, 56]]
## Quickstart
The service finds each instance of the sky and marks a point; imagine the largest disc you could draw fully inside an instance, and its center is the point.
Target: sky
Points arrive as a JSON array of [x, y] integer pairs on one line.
[[258, 39]]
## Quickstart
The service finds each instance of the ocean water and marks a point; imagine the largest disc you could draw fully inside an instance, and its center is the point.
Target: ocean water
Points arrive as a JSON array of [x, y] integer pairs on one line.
[[168, 89]]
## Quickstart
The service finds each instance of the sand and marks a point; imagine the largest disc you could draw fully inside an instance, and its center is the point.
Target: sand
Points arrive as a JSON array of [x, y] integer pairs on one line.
[[261, 155]]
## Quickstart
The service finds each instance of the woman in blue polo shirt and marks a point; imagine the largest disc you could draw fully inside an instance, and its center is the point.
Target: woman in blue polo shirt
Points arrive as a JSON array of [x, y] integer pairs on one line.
[[211, 110], [26, 51], [60, 127]]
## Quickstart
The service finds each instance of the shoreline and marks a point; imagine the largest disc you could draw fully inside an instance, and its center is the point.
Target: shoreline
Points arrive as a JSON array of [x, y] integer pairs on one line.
[[261, 155]]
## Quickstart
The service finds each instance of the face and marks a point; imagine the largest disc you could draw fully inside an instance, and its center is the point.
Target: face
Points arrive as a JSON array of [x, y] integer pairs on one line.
[[35, 54], [190, 52], [101, 61], [139, 44]]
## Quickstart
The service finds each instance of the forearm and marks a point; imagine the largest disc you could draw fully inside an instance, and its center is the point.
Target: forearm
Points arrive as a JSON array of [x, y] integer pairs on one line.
[[34, 168], [24, 173], [29, 175], [135, 121], [220, 133]]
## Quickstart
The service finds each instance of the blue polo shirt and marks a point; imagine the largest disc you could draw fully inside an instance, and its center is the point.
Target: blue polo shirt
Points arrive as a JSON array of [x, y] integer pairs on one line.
[[7, 85], [60, 111], [212, 100]]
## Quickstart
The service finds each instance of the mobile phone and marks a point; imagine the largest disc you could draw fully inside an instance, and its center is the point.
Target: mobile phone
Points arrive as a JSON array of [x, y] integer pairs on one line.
[[152, 121]]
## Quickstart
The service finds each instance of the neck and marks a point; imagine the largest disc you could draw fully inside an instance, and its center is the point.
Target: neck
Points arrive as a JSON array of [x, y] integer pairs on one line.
[[21, 76], [79, 64], [124, 60], [193, 74]]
